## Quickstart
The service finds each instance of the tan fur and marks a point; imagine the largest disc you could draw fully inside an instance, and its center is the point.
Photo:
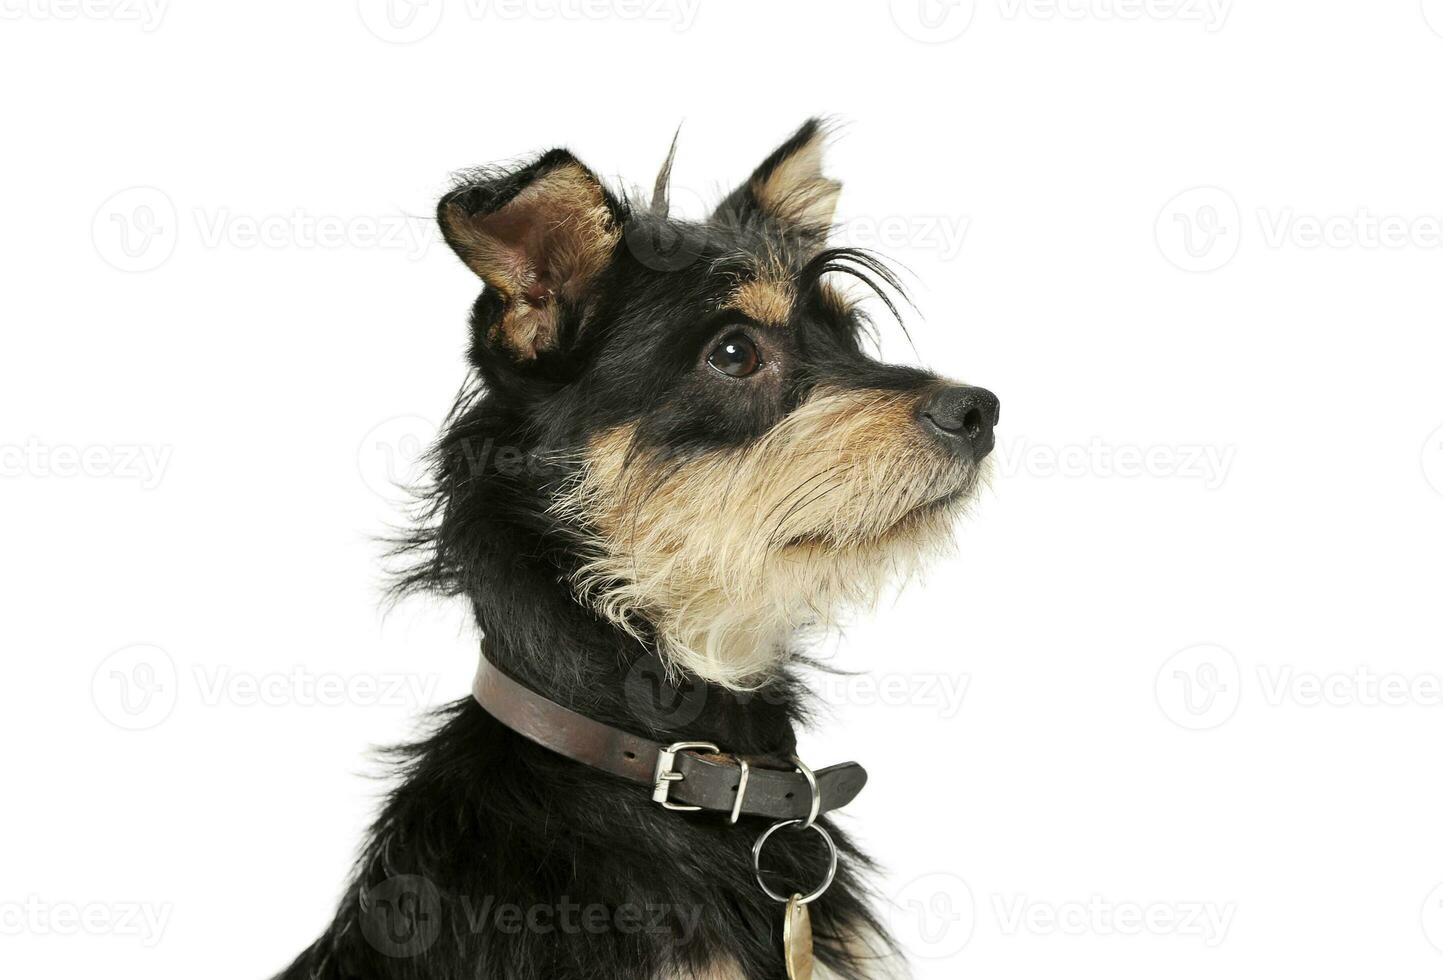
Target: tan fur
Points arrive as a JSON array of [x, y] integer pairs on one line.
[[728, 970], [875, 966], [837, 302], [562, 219], [768, 300], [796, 192], [875, 960], [728, 553]]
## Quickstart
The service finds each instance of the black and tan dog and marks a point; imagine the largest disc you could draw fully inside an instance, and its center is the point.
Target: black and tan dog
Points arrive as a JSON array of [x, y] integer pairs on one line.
[[673, 460]]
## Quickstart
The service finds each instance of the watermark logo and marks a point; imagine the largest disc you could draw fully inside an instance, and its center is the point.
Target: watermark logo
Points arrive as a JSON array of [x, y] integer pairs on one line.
[[1432, 460], [400, 21], [408, 21], [147, 13], [943, 693], [1204, 464], [299, 687], [1200, 229], [668, 246], [1200, 687], [1211, 14], [391, 457], [135, 230], [1286, 227], [934, 916], [1433, 15], [665, 246], [222, 227], [138, 687], [939, 21], [941, 234], [145, 464], [568, 918], [1361, 687], [1432, 918], [1101, 916], [34, 916], [138, 230], [657, 697], [933, 21], [401, 916], [135, 687]]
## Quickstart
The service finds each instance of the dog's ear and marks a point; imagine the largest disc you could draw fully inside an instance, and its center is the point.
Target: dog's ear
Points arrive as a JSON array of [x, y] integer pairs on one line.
[[789, 190], [539, 237]]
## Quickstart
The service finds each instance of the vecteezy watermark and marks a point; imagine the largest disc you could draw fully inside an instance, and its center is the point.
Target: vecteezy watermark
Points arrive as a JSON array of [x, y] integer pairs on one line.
[[135, 230], [303, 688], [670, 246], [146, 13], [1432, 918], [933, 21], [1019, 915], [135, 687], [1432, 459], [943, 693], [403, 915], [1200, 687], [391, 456], [145, 464], [1200, 229], [933, 916], [34, 916], [1433, 15], [1205, 464], [400, 21], [938, 21], [1285, 227], [941, 234], [662, 698], [1360, 687], [1211, 14], [408, 21], [406, 233], [138, 229], [138, 687], [567, 918]]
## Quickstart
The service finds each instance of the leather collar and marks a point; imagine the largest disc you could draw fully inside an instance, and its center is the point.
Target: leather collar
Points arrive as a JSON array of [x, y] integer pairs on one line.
[[682, 775]]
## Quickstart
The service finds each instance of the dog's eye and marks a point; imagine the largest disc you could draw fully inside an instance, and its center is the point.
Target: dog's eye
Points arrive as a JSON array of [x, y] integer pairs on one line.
[[736, 357]]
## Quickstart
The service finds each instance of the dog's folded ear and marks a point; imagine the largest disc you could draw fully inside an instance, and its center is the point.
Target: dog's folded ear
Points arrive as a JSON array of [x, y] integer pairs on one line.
[[539, 237], [789, 191]]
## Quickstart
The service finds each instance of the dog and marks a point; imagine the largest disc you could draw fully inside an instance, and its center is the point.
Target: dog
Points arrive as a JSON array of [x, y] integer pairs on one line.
[[672, 464]]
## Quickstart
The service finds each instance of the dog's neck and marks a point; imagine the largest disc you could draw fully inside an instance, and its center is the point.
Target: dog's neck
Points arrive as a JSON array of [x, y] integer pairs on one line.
[[538, 631]]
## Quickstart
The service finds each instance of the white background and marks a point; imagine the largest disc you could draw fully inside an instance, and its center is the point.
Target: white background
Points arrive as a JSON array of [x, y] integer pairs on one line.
[[1194, 621]]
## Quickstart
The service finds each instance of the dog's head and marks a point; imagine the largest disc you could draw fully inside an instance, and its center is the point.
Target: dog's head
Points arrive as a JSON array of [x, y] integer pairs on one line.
[[722, 457]]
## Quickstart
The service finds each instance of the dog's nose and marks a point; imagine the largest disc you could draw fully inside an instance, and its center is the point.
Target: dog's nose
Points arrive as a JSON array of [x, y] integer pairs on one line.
[[963, 417]]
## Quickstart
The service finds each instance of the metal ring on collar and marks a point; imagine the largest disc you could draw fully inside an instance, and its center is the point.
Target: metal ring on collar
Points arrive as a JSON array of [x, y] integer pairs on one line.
[[831, 864], [806, 771]]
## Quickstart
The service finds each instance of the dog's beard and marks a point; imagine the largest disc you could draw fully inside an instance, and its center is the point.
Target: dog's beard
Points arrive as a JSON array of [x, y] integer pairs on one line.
[[723, 556]]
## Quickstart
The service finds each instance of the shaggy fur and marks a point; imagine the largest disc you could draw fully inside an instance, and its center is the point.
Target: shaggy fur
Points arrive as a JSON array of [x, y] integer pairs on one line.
[[727, 554], [643, 517]]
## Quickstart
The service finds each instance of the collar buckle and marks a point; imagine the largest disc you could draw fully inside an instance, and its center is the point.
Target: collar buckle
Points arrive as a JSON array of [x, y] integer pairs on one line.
[[666, 774]]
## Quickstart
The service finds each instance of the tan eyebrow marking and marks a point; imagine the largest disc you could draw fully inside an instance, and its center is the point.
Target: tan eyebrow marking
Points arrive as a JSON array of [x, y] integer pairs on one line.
[[768, 300]]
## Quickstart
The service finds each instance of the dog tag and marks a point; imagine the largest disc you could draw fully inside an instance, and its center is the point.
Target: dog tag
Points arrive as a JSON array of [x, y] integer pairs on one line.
[[797, 940]]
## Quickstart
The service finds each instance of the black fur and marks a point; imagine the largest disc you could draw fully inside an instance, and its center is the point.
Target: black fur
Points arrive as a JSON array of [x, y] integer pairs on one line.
[[482, 820]]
